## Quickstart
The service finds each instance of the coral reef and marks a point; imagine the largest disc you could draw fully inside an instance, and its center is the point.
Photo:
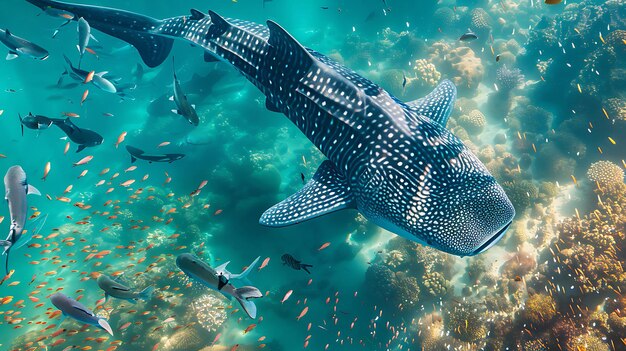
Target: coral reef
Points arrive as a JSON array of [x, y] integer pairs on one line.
[[466, 322], [465, 68], [605, 173], [508, 79], [540, 309], [474, 122]]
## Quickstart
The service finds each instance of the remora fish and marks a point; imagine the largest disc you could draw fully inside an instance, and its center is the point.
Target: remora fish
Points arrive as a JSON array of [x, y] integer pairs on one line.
[[21, 47], [183, 107], [136, 153], [36, 122], [16, 188], [113, 288], [80, 75], [209, 277], [83, 137], [378, 147], [84, 32], [74, 309]]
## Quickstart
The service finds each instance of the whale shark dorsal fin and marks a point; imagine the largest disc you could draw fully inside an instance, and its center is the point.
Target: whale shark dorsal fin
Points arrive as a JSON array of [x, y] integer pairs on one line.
[[287, 45], [327, 192], [196, 15], [219, 25], [437, 105]]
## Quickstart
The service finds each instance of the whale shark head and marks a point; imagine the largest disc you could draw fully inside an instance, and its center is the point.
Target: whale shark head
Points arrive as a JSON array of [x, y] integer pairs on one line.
[[443, 196]]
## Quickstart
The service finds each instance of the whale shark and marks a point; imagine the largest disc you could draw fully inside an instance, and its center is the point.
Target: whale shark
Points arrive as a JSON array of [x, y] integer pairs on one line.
[[394, 162]]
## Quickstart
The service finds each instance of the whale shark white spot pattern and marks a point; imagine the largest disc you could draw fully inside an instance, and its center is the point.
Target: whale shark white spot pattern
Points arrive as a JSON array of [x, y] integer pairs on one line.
[[392, 161]]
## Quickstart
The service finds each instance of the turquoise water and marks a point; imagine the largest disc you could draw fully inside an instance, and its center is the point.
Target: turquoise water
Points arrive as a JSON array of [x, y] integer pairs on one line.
[[541, 102]]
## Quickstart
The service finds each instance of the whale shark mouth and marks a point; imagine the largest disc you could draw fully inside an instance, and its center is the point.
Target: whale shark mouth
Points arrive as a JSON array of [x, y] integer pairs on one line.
[[492, 241]]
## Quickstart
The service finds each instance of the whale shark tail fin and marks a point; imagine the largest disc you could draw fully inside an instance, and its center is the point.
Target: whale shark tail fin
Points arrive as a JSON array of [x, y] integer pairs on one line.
[[243, 296], [133, 28]]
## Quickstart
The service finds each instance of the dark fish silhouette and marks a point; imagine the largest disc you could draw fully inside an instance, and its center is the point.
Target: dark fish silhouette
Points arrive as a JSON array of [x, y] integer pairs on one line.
[[136, 153], [290, 261], [468, 36], [83, 137], [36, 122]]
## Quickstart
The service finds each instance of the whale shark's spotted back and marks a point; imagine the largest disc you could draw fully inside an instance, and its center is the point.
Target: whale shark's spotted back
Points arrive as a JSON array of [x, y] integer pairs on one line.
[[395, 162]]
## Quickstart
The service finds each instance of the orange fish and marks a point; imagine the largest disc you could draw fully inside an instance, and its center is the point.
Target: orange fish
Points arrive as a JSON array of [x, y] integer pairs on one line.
[[128, 183], [165, 143], [120, 139], [286, 297], [265, 262], [71, 114], [67, 148], [83, 161], [46, 170], [303, 313], [249, 328], [324, 245], [89, 77], [85, 94]]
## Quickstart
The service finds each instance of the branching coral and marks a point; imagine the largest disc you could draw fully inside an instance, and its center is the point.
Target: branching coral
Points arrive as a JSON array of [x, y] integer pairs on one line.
[[540, 309]]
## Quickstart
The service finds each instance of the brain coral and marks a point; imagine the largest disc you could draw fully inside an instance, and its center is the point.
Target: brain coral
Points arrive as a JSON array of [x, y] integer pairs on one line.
[[473, 122], [466, 68]]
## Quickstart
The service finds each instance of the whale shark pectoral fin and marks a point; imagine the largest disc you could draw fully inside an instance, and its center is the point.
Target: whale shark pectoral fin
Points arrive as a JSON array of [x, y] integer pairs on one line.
[[438, 104], [328, 191], [270, 106], [80, 148]]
